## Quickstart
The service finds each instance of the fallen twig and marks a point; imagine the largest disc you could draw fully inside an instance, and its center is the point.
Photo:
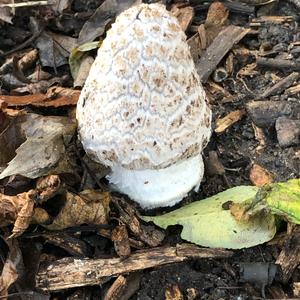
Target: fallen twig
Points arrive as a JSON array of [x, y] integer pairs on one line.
[[278, 63], [281, 85], [218, 49], [71, 272], [26, 4]]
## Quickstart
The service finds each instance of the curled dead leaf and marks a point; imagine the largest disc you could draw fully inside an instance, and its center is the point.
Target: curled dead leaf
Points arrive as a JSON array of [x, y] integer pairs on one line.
[[8, 277], [88, 207], [17, 210]]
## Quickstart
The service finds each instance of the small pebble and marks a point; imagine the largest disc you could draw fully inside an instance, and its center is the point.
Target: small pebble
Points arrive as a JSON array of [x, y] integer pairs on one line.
[[288, 131]]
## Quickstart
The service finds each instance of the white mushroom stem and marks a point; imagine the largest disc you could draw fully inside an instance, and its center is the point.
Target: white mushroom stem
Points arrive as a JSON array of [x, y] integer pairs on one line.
[[161, 187]]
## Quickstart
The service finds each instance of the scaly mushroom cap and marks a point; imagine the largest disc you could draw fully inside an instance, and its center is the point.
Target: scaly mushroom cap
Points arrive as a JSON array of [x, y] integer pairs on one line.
[[143, 106]]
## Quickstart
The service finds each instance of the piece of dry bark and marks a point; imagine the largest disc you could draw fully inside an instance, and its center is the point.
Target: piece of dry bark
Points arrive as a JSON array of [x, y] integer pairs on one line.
[[83, 272], [74, 246], [292, 90], [128, 215], [120, 238], [133, 281], [228, 120], [289, 257], [215, 21], [218, 49], [260, 176], [116, 289], [132, 242], [173, 293], [184, 15]]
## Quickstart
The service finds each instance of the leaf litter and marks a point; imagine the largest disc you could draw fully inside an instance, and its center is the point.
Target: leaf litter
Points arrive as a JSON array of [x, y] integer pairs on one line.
[[61, 196]]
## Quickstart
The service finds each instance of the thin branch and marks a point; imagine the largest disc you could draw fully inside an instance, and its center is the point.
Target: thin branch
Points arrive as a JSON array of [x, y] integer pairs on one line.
[[26, 4]]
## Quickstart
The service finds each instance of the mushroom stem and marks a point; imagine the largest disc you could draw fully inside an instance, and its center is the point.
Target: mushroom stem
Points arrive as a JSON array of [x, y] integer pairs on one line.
[[159, 187]]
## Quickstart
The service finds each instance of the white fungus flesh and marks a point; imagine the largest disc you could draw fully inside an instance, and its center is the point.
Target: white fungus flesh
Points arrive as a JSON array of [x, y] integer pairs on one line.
[[142, 111]]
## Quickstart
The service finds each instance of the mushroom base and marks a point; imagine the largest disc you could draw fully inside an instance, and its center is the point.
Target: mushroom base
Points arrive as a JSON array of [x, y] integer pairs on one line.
[[162, 187]]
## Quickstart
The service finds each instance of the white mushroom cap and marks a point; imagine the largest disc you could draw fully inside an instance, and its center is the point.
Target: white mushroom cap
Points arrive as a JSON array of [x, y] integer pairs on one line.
[[142, 110]]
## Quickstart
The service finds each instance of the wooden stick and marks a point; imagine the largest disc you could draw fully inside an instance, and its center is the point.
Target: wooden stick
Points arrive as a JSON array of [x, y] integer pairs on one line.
[[281, 85], [26, 4], [218, 49], [71, 272], [275, 63]]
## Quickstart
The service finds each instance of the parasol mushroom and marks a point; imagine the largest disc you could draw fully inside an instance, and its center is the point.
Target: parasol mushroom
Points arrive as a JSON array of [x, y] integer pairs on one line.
[[142, 111]]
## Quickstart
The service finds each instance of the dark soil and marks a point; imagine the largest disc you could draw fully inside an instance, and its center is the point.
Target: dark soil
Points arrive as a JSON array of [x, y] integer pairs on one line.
[[237, 151]]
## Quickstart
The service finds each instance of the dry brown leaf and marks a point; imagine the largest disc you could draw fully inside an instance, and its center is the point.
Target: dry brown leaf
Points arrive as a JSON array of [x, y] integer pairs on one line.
[[17, 210], [230, 119], [89, 207], [8, 277], [41, 146], [218, 91], [260, 176], [22, 100], [55, 97]]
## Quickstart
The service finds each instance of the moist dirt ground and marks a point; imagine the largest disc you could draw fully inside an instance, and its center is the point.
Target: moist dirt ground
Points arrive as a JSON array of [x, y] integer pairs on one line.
[[246, 142]]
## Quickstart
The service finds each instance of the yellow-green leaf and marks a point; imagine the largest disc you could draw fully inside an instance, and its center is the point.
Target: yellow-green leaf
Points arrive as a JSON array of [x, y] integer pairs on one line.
[[209, 222]]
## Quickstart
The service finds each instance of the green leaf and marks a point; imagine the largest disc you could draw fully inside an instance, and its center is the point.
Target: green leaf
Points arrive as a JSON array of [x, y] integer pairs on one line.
[[282, 199], [207, 223]]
